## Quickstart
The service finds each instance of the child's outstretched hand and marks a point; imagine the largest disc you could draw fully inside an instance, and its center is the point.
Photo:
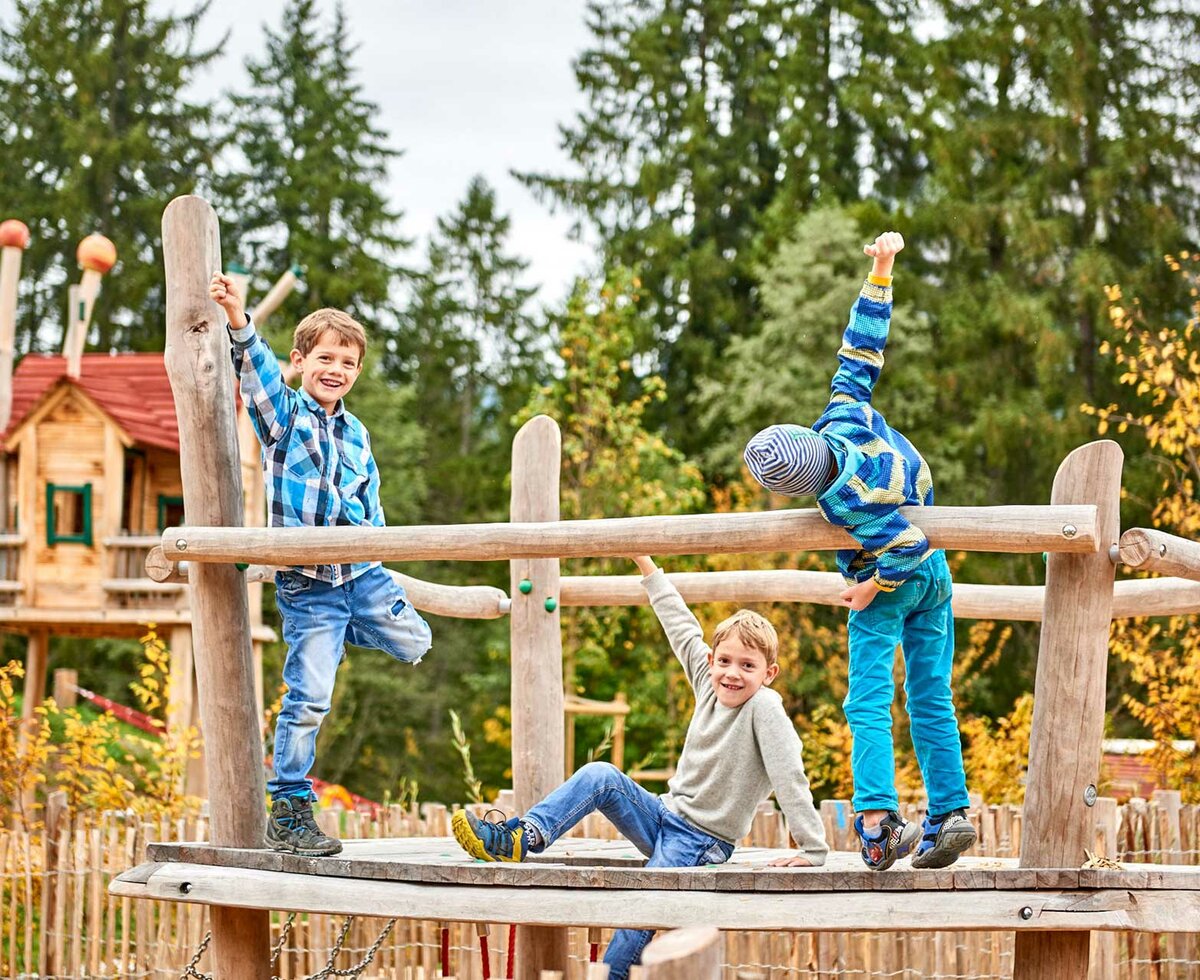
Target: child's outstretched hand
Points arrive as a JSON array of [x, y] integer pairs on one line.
[[796, 861], [883, 250], [223, 291], [861, 595], [645, 564]]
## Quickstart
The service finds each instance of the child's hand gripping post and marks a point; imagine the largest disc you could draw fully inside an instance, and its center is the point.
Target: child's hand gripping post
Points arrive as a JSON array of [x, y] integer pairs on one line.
[[223, 291], [883, 250]]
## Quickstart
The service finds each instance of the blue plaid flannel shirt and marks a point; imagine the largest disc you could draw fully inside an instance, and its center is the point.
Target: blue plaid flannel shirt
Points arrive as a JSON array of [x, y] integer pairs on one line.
[[319, 468]]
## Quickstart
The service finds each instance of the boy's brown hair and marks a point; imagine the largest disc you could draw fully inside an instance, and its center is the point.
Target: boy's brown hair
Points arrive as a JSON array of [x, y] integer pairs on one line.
[[313, 327], [753, 630]]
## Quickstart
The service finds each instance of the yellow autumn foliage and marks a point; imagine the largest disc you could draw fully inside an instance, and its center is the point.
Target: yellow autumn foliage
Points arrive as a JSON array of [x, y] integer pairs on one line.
[[1161, 365]]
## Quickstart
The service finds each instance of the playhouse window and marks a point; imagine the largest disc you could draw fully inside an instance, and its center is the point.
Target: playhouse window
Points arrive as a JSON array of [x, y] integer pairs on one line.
[[69, 514], [170, 511]]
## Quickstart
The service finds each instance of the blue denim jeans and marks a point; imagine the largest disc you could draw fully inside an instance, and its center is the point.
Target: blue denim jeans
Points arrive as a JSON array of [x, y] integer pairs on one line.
[[916, 616], [318, 620], [664, 837]]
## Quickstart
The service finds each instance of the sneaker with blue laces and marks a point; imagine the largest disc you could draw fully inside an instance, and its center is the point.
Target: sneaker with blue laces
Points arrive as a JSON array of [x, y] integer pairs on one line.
[[489, 840], [945, 836], [887, 843], [292, 828]]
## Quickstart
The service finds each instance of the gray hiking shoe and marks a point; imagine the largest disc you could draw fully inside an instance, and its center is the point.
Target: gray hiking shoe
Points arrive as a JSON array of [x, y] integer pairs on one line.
[[945, 837], [293, 828]]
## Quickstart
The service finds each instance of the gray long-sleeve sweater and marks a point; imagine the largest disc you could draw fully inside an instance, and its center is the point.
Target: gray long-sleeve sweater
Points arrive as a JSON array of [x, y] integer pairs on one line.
[[732, 757]]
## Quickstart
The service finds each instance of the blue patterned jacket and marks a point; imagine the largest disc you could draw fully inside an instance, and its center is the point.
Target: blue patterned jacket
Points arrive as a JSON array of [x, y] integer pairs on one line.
[[879, 470], [319, 468]]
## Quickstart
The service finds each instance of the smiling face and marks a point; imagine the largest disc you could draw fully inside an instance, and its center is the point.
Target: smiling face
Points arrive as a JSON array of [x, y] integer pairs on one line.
[[329, 370], [738, 671]]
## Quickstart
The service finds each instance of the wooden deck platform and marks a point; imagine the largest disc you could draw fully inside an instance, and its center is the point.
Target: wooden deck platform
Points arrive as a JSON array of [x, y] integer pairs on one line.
[[601, 883]]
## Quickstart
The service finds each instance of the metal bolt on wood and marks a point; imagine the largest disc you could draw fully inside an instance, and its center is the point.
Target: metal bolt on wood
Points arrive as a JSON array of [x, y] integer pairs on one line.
[[1069, 530], [1026, 913]]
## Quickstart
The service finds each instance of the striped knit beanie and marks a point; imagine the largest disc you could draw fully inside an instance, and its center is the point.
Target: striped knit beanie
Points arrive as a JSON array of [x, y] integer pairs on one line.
[[789, 459]]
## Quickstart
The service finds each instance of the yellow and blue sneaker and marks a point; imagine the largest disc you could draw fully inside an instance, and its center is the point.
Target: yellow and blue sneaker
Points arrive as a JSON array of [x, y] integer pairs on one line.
[[489, 840], [945, 837]]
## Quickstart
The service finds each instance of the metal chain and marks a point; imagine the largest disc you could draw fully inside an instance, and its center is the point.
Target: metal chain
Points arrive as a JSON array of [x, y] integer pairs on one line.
[[329, 970], [190, 972], [283, 934]]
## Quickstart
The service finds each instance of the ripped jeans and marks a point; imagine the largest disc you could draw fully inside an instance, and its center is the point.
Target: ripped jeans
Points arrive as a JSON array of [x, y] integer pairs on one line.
[[370, 611], [667, 840]]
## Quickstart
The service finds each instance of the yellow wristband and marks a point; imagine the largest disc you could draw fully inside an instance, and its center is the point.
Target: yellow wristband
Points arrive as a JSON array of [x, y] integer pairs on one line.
[[879, 280]]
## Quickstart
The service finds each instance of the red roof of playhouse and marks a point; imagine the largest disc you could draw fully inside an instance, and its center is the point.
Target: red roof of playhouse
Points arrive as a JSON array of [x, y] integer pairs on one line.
[[132, 388]]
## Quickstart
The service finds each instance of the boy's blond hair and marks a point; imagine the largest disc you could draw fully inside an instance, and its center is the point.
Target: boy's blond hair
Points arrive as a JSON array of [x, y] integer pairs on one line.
[[753, 630], [313, 327]]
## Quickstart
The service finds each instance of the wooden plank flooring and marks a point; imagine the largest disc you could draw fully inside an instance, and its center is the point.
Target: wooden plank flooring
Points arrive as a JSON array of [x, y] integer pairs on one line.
[[582, 863]]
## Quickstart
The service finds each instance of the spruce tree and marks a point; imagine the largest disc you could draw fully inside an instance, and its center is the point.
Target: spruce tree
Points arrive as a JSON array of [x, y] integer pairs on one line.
[[1064, 159], [701, 116], [98, 135], [471, 348], [304, 184]]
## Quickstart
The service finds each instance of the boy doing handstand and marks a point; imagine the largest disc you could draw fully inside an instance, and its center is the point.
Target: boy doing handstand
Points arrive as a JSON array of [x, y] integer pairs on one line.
[[862, 472], [740, 746]]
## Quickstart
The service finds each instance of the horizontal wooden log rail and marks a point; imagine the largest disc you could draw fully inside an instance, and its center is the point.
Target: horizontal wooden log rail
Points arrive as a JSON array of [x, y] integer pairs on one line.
[[1015, 529], [1133, 597], [1011, 603], [1158, 551], [456, 601]]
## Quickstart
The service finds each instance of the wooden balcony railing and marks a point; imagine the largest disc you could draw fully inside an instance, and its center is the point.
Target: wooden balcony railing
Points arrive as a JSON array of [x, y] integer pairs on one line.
[[11, 546]]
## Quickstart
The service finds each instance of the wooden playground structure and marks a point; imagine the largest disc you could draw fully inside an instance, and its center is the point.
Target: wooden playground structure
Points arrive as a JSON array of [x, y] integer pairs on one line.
[[1044, 896]]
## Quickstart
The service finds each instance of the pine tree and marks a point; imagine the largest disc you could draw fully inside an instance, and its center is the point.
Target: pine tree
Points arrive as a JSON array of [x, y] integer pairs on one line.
[[98, 135], [305, 186], [1064, 158], [471, 348], [701, 115], [783, 372]]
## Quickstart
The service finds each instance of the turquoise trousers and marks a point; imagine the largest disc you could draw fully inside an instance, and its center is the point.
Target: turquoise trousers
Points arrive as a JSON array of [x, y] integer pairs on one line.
[[917, 617]]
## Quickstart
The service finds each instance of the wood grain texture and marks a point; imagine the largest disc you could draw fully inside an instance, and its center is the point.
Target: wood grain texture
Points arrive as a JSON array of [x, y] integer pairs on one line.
[[1157, 551], [695, 953], [1069, 699], [1001, 529], [986, 910], [583, 863], [536, 651], [197, 363], [455, 601]]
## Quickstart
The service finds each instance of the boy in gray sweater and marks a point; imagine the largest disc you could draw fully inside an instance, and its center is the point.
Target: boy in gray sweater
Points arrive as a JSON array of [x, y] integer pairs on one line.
[[740, 746]]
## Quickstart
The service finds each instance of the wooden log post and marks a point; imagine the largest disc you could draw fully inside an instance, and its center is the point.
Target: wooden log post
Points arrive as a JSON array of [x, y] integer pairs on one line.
[[37, 657], [1068, 709], [197, 362], [14, 238], [536, 658], [696, 953]]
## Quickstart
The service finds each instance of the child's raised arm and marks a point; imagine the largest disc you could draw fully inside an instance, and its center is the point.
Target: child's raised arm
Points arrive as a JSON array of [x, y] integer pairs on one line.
[[883, 250], [861, 353], [682, 628]]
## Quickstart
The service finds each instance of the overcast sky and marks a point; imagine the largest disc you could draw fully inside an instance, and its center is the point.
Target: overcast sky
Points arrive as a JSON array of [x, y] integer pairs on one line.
[[463, 87]]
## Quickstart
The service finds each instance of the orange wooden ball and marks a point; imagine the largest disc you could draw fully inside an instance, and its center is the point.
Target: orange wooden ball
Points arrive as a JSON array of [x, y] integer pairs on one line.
[[96, 253], [13, 234]]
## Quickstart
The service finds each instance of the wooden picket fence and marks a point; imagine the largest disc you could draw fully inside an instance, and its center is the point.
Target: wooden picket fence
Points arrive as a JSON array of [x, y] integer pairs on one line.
[[57, 919]]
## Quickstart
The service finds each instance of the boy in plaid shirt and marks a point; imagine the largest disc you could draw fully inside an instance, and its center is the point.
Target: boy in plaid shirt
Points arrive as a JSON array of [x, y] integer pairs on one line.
[[319, 471]]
